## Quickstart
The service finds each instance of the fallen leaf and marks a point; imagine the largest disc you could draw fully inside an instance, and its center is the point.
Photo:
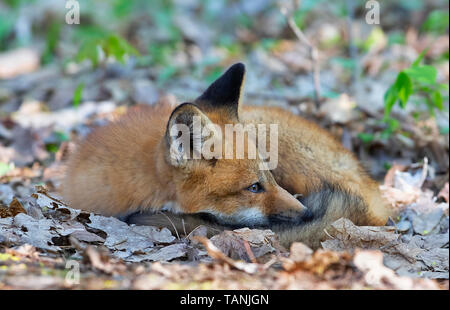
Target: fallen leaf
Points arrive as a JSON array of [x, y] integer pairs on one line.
[[15, 207], [260, 244], [164, 254], [379, 276], [102, 261], [38, 233], [303, 258], [216, 254], [405, 255], [120, 236]]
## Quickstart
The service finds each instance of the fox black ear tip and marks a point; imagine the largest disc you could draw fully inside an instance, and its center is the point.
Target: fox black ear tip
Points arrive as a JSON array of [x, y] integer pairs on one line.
[[239, 67]]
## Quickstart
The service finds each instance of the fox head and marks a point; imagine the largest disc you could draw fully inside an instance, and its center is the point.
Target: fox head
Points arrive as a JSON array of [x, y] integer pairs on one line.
[[217, 176]]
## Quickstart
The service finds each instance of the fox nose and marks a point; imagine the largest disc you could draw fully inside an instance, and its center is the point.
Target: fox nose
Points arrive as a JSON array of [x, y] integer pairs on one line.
[[288, 209]]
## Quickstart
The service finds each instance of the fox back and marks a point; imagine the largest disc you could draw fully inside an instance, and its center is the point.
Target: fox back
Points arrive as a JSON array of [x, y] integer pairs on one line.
[[148, 167]]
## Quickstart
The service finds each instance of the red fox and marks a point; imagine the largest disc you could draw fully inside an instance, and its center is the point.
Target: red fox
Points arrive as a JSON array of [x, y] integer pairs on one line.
[[129, 169]]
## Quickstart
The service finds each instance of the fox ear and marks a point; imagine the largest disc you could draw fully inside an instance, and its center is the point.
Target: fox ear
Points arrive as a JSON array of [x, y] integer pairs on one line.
[[225, 92], [184, 134]]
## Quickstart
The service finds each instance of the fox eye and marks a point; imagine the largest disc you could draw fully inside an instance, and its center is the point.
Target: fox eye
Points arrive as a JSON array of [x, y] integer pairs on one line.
[[255, 188]]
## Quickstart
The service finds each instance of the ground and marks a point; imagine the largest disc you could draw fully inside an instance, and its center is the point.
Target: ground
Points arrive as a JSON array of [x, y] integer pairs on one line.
[[51, 95]]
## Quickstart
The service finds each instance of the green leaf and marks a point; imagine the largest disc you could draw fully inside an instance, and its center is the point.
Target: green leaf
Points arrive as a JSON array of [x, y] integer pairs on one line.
[[376, 39], [392, 126], [437, 100], [78, 94], [118, 47], [400, 90], [89, 50], [52, 39], [52, 148], [111, 44], [419, 58], [422, 74], [396, 37], [62, 136], [366, 137], [390, 98], [437, 22], [404, 88]]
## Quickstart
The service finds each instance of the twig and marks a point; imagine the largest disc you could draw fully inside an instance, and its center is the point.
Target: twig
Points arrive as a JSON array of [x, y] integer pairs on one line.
[[326, 233], [313, 52], [173, 225], [187, 236], [184, 227], [424, 172], [249, 251]]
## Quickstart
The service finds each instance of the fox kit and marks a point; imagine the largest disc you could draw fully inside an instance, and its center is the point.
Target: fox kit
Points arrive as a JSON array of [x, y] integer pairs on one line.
[[131, 169]]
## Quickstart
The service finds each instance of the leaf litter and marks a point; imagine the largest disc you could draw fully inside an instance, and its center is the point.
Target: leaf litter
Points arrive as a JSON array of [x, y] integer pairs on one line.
[[40, 235], [407, 254]]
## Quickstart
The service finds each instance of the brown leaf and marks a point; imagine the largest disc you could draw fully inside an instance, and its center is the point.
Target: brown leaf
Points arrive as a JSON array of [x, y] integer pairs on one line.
[[101, 260], [15, 207], [378, 276], [216, 254], [317, 263], [407, 257], [247, 244]]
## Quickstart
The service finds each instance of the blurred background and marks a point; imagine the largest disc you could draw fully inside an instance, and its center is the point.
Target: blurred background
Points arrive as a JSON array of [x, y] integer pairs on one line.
[[381, 89]]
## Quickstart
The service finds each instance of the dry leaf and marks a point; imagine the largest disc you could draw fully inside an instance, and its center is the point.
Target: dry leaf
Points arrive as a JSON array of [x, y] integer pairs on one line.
[[378, 276], [215, 253], [102, 261], [246, 243], [407, 257]]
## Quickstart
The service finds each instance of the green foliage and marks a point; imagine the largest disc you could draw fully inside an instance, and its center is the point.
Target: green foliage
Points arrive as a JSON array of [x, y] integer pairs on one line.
[[52, 39], [396, 37], [376, 39], [366, 138], [392, 125], [160, 54], [58, 138], [121, 8], [6, 26], [417, 80], [78, 94], [436, 22], [111, 45], [17, 3]]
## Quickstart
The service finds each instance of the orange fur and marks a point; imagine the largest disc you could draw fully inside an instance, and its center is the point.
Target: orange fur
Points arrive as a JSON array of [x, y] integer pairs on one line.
[[124, 167]]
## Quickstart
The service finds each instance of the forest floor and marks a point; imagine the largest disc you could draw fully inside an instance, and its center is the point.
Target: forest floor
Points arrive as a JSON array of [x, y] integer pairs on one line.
[[46, 109]]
